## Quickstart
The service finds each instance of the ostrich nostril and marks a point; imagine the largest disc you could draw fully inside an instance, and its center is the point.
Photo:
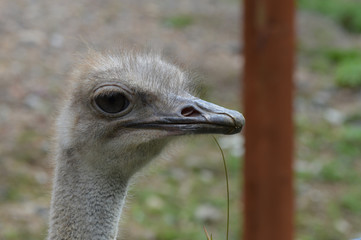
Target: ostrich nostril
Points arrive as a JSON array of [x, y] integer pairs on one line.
[[190, 112]]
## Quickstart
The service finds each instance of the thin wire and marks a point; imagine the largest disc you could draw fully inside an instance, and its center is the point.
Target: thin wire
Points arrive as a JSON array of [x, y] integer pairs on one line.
[[226, 173]]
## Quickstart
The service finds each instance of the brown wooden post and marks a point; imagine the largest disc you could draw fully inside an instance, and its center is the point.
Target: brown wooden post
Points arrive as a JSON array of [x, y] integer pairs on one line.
[[268, 185]]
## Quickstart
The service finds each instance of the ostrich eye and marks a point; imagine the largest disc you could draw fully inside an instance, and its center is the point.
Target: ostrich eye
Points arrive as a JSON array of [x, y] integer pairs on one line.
[[113, 102]]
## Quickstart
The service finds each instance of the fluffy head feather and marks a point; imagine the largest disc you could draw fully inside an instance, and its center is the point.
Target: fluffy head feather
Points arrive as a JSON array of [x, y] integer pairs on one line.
[[146, 72], [149, 81]]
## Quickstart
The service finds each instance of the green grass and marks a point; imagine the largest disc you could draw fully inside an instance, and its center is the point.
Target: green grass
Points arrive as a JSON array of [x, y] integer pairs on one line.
[[29, 141], [179, 21], [346, 13], [169, 211], [342, 143], [19, 186], [349, 143], [339, 171], [16, 234], [337, 150], [351, 201], [337, 55], [344, 64], [348, 74], [354, 119]]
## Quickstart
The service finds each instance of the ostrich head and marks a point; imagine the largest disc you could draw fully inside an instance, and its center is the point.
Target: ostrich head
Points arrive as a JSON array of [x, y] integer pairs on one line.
[[122, 109]]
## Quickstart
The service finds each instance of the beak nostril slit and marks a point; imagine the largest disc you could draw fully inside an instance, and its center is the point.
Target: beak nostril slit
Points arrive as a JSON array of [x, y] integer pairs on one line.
[[190, 112]]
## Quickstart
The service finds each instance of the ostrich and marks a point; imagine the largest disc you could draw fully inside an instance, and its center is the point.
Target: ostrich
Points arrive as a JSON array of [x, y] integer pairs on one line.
[[119, 113]]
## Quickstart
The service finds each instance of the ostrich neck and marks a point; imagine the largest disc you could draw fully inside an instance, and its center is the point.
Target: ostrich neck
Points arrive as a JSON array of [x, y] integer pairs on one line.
[[85, 204]]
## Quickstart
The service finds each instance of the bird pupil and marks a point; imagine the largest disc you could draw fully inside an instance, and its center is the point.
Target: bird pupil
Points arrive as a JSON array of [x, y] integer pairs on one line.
[[112, 102]]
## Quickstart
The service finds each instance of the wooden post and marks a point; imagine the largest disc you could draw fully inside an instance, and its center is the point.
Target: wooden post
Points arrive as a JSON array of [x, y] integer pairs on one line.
[[268, 185]]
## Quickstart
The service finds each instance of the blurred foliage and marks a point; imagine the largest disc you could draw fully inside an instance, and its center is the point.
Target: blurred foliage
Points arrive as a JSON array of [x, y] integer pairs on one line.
[[344, 149], [349, 143], [333, 168], [169, 211], [16, 234], [351, 201], [346, 13], [179, 21], [30, 142], [338, 171], [344, 63], [348, 73]]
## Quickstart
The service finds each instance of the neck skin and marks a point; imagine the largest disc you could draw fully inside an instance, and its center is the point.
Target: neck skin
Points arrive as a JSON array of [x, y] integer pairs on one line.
[[86, 204]]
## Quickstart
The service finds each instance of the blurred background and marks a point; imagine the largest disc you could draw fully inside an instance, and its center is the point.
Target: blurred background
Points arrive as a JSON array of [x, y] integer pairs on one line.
[[39, 44]]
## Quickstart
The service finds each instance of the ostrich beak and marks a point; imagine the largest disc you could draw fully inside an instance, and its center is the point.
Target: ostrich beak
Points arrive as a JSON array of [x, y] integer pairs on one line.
[[195, 116]]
